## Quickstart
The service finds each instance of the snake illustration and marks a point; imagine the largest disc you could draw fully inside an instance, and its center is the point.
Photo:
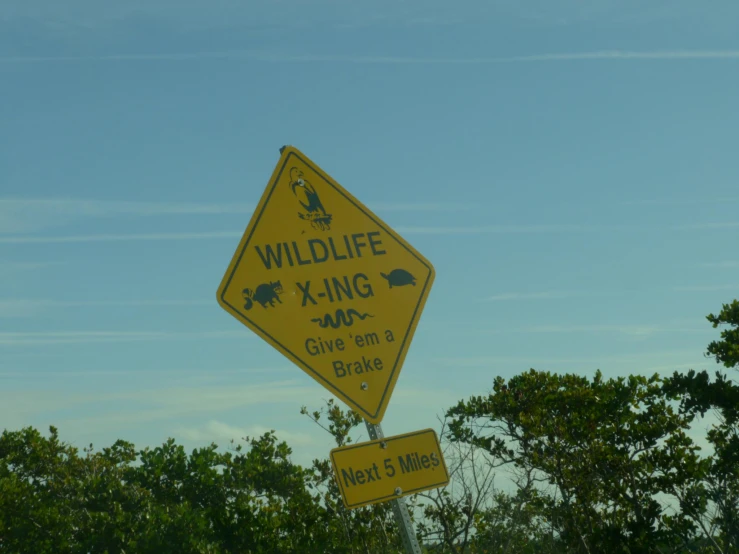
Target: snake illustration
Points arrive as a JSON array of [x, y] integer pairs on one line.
[[341, 317]]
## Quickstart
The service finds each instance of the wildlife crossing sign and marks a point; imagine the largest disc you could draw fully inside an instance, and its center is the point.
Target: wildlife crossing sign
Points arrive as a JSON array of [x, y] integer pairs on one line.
[[328, 284]]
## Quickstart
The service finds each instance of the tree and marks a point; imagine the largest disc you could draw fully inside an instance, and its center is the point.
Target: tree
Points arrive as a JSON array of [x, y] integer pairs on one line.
[[726, 351], [449, 514], [719, 491], [599, 466], [606, 449], [368, 529], [52, 500]]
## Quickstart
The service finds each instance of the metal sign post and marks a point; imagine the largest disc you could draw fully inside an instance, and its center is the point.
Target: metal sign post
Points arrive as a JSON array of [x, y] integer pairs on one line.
[[327, 283], [400, 510]]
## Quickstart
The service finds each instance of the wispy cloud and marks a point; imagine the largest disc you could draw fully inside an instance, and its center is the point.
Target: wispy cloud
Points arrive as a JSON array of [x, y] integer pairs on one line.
[[631, 330], [220, 432], [199, 374], [706, 288], [19, 307], [546, 295], [184, 56], [18, 215], [211, 235], [13, 267], [166, 411], [101, 208], [511, 229], [403, 230], [52, 239], [111, 409], [728, 263], [75, 337], [157, 403], [667, 201], [632, 360], [629, 55], [487, 229], [183, 400], [555, 228], [563, 294], [419, 207], [421, 396], [659, 55], [19, 219], [33, 215], [638, 331], [714, 225]]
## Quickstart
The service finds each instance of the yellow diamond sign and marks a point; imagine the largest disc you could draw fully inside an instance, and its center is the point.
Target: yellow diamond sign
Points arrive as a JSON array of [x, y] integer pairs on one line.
[[328, 284]]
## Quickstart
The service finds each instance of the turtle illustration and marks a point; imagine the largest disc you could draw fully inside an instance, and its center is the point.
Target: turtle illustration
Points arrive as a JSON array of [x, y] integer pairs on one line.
[[399, 278]]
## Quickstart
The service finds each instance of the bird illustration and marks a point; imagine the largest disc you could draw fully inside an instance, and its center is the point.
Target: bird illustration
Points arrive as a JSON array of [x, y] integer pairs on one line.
[[313, 204], [309, 200]]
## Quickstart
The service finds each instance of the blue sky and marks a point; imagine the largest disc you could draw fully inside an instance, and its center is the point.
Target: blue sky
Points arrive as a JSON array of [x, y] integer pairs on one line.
[[570, 170]]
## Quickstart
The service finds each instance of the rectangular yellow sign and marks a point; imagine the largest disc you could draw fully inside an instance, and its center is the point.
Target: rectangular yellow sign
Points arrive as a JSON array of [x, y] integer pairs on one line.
[[389, 468]]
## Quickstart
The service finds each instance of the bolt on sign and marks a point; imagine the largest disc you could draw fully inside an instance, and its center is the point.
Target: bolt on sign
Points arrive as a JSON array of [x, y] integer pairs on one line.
[[328, 284], [392, 467]]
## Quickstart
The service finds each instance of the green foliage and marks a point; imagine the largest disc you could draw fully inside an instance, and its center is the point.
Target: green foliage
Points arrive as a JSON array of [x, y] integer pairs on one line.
[[514, 523], [366, 529], [599, 465], [54, 500], [607, 449], [726, 350], [698, 394]]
